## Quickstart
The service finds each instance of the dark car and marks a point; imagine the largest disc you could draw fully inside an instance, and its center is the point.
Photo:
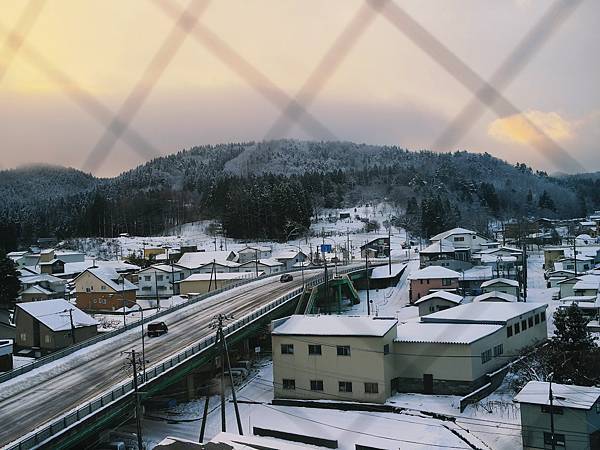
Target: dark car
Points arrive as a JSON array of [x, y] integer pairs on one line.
[[286, 277], [157, 329]]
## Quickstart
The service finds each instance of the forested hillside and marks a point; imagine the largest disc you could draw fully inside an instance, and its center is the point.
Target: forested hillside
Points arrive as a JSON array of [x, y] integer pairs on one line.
[[261, 189]]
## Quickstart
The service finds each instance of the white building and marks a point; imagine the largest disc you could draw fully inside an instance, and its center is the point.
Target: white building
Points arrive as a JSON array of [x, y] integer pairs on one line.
[[268, 266], [252, 253], [501, 285], [160, 280], [195, 260], [290, 258], [495, 296], [437, 301]]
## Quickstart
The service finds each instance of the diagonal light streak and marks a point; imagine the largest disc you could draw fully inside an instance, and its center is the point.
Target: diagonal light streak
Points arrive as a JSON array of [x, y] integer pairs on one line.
[[86, 101], [532, 42], [143, 88], [249, 73], [16, 37], [473, 82], [336, 54]]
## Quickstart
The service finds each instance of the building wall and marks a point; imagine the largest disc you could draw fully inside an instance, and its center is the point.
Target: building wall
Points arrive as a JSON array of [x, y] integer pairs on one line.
[[250, 255], [25, 329], [89, 301], [551, 255], [148, 284], [34, 297], [573, 423], [512, 290], [55, 340], [217, 268], [366, 363], [450, 263], [268, 270], [420, 288], [566, 289], [433, 305]]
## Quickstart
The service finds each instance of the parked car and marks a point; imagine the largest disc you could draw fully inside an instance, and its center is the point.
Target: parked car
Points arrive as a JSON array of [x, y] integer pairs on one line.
[[286, 277], [157, 329]]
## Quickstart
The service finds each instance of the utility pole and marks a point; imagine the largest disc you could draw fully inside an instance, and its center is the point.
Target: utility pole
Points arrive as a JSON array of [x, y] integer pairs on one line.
[[367, 277], [575, 253], [138, 416], [524, 271], [256, 261], [211, 276], [72, 326], [156, 288], [348, 256], [390, 245], [551, 398]]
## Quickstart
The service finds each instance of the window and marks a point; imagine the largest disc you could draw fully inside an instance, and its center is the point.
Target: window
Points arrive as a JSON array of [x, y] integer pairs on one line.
[[316, 385], [147, 277], [517, 329], [523, 325], [345, 386], [509, 331], [420, 281], [23, 336], [559, 440], [47, 339], [102, 288], [371, 388], [287, 349], [386, 349], [431, 309], [459, 239], [314, 349], [159, 277], [289, 384], [146, 288], [498, 350], [537, 319], [88, 289], [427, 281], [555, 409], [486, 356], [343, 350], [530, 321], [446, 281], [162, 288], [543, 316]]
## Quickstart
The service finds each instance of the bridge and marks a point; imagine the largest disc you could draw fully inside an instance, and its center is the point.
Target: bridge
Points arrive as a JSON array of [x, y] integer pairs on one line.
[[62, 401]]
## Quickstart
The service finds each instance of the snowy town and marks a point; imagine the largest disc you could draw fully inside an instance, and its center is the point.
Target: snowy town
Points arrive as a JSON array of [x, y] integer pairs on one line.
[[441, 342]]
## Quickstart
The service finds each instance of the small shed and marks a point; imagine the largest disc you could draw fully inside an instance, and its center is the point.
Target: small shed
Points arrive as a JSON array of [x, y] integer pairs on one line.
[[437, 301]]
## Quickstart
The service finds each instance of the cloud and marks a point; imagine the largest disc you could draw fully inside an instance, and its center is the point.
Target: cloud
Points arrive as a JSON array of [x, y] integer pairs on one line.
[[517, 129]]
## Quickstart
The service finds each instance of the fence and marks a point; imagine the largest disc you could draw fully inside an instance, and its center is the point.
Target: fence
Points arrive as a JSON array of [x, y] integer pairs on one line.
[[73, 417]]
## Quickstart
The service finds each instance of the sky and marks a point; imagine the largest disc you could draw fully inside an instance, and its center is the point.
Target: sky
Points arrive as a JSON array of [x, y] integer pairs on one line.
[[79, 62]]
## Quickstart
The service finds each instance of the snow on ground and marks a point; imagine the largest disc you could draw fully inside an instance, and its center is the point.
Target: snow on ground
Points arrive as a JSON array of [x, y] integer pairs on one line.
[[410, 430]]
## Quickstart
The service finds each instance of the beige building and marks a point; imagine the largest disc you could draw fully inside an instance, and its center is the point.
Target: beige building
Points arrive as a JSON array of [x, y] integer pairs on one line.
[[200, 283], [103, 289], [333, 357]]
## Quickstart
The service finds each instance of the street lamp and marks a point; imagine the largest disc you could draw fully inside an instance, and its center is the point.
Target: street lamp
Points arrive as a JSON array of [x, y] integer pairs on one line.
[[143, 343]]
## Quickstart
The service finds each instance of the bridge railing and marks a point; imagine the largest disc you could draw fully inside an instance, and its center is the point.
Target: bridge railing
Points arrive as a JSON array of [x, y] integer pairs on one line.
[[71, 418], [134, 324]]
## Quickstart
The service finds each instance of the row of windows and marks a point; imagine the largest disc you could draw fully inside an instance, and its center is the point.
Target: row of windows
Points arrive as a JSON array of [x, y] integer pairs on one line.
[[343, 386], [149, 288], [486, 356], [525, 323], [315, 349], [445, 281]]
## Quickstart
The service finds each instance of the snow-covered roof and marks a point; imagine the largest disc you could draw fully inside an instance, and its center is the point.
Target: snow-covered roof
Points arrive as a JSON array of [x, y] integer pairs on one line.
[[382, 272], [454, 298], [478, 273], [579, 299], [432, 272], [163, 268], [270, 262], [565, 395], [37, 289], [219, 276], [497, 258], [255, 248], [578, 258], [194, 260], [484, 312], [55, 314], [30, 279], [434, 248], [451, 232], [505, 281], [587, 282], [112, 279], [333, 325], [495, 295], [452, 333], [288, 254], [75, 268]]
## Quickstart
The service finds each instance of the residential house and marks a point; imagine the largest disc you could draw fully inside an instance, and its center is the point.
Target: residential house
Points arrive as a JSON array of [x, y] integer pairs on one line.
[[153, 252], [267, 266], [471, 279], [254, 252], [580, 263], [41, 287], [586, 284], [333, 357], [588, 304], [194, 261], [502, 285], [160, 280], [378, 247], [555, 276], [200, 283], [387, 275], [290, 258], [495, 296], [99, 289], [437, 301], [51, 325], [453, 249], [431, 278], [575, 416]]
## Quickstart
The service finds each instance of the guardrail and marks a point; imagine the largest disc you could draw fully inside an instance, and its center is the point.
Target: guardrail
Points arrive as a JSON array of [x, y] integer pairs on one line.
[[71, 418], [101, 337]]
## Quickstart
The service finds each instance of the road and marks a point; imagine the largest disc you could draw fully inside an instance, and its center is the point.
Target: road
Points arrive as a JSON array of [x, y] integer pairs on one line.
[[33, 399]]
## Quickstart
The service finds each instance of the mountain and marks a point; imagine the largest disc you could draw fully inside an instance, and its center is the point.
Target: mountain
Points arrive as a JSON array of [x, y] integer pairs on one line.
[[257, 189]]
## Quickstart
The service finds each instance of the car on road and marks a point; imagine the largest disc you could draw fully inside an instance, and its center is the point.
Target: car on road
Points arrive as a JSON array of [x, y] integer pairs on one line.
[[157, 329], [286, 277]]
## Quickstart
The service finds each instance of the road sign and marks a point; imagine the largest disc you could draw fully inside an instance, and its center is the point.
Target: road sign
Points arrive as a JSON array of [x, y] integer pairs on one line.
[[325, 248]]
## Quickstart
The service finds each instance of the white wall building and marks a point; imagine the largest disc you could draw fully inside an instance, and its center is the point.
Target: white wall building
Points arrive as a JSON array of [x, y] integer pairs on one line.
[[160, 280]]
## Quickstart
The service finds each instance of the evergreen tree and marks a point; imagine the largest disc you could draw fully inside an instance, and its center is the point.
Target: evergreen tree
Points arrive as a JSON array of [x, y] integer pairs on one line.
[[546, 202], [9, 283]]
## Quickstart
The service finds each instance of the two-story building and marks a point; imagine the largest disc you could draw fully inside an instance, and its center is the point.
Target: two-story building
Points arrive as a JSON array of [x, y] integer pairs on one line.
[[502, 285], [290, 258], [254, 252], [575, 414], [103, 289], [161, 280], [431, 279]]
